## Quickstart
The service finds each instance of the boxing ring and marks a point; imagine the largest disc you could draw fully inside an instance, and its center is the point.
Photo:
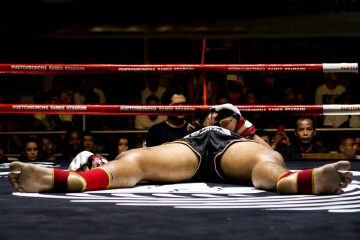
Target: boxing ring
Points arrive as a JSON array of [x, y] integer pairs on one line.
[[185, 210]]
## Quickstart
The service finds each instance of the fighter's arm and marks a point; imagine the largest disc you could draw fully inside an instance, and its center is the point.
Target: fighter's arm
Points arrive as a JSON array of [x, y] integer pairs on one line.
[[244, 128], [229, 117]]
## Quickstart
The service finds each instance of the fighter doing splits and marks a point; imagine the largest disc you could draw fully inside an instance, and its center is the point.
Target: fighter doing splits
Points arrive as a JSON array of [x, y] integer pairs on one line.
[[226, 149]]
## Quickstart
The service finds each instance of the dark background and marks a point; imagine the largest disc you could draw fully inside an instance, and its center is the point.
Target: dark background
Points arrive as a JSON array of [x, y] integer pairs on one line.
[[237, 31]]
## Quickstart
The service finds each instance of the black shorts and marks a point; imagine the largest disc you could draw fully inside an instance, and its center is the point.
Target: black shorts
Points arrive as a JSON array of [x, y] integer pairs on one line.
[[209, 144]]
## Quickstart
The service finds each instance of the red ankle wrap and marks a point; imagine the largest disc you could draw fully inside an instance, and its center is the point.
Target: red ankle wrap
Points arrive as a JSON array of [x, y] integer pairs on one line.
[[96, 179], [284, 175], [59, 181], [305, 181]]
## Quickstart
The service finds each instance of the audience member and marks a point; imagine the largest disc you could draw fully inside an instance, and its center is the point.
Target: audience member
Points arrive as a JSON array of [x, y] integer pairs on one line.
[[357, 147], [122, 144], [175, 126], [73, 143], [277, 142], [257, 117], [264, 135], [153, 88], [30, 150], [52, 122], [304, 141], [235, 88], [90, 143], [269, 90], [3, 157], [48, 148], [329, 93], [343, 121], [280, 139], [88, 94], [347, 146], [63, 86]]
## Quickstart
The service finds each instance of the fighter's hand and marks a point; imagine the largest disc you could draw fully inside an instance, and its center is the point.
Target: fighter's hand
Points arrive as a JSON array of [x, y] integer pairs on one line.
[[86, 160], [96, 161], [224, 111], [193, 126]]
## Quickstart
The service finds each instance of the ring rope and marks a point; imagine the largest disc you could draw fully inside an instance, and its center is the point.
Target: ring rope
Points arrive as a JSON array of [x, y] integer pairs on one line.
[[332, 109], [166, 68], [203, 78]]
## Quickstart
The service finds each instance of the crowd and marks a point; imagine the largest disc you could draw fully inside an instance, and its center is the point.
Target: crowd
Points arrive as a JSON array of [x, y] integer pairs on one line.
[[330, 88]]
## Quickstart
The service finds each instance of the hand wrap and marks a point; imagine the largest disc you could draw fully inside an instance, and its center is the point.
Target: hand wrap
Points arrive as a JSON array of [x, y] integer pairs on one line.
[[86, 159], [226, 110]]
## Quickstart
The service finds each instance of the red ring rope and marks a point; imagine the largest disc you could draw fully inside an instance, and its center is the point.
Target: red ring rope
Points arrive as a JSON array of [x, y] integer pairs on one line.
[[115, 68], [336, 109], [203, 73]]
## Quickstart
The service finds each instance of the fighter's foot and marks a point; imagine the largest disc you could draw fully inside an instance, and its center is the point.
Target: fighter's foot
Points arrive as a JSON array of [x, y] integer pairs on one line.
[[26, 177], [332, 178], [328, 179]]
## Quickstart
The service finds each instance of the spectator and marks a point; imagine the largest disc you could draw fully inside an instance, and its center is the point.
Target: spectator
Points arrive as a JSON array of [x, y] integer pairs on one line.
[[66, 91], [52, 122], [277, 142], [30, 150], [73, 143], [357, 147], [269, 90], [304, 141], [291, 97], [280, 139], [264, 135], [88, 94], [329, 93], [347, 146], [175, 126], [153, 88], [90, 143], [48, 148], [3, 157], [343, 121], [235, 88], [122, 145]]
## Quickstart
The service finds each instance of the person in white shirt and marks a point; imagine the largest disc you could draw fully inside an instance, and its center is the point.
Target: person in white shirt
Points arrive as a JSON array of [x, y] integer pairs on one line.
[[343, 121], [329, 93]]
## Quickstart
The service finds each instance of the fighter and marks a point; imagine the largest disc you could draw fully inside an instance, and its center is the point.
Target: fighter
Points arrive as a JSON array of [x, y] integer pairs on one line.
[[226, 150]]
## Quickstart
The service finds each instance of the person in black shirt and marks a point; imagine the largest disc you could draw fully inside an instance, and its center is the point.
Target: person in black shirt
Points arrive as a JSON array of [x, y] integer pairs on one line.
[[175, 126], [305, 143]]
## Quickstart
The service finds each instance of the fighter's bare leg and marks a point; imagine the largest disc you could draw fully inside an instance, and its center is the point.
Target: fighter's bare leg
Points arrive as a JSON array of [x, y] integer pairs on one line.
[[262, 167], [251, 162], [172, 162]]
